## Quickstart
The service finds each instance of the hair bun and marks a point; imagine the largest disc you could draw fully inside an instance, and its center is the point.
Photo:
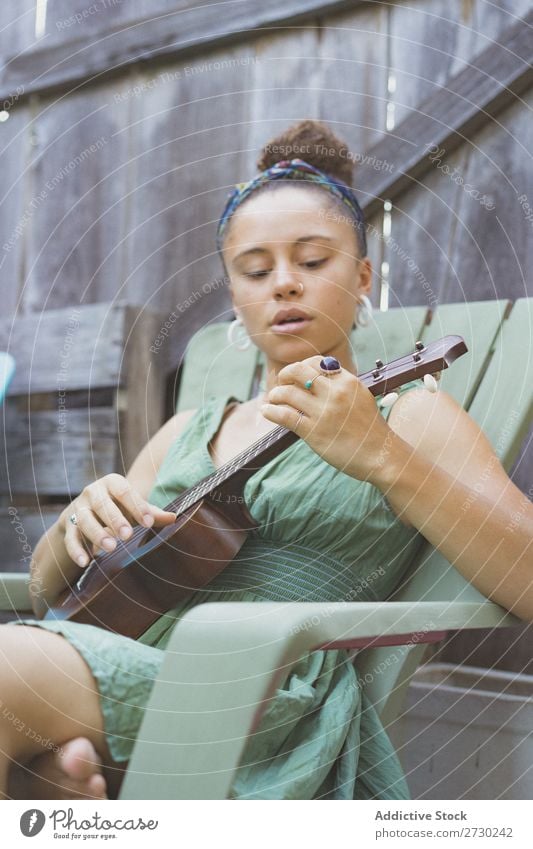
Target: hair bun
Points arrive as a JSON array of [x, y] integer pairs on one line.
[[314, 142]]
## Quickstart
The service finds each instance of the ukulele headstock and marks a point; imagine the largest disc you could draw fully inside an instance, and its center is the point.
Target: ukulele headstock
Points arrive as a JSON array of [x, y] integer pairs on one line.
[[425, 359]]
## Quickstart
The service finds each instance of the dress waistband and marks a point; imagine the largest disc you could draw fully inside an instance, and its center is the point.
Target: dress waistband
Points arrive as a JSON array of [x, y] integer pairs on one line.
[[286, 572]]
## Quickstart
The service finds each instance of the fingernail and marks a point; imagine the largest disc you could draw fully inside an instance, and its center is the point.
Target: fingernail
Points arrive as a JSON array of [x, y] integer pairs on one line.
[[108, 543], [148, 520], [124, 532], [82, 560]]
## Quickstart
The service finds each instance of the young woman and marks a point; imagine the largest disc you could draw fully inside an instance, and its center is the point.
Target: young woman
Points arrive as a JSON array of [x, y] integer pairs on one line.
[[361, 489]]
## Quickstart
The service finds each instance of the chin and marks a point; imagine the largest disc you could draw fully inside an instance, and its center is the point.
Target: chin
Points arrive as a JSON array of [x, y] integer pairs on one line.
[[291, 351]]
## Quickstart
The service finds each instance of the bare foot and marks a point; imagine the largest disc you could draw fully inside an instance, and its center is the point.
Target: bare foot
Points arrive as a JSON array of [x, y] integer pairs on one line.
[[73, 772]]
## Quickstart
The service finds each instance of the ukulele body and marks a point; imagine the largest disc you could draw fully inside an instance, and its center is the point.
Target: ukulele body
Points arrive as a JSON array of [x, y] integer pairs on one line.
[[142, 581]]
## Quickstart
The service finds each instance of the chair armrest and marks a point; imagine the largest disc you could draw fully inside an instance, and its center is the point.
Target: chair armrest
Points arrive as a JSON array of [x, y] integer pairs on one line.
[[224, 660], [15, 592]]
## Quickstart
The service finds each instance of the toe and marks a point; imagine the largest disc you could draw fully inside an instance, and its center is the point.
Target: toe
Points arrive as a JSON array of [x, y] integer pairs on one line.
[[79, 759], [97, 786]]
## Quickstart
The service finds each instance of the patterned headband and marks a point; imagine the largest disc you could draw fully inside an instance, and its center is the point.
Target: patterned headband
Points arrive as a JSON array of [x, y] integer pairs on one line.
[[293, 169]]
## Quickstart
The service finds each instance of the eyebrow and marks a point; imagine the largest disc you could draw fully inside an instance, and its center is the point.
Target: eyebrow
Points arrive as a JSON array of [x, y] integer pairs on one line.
[[259, 250]]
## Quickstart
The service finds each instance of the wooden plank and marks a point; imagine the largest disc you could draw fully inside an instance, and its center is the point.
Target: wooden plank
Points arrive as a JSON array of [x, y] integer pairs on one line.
[[188, 121], [64, 64], [13, 226], [73, 19], [41, 459], [78, 199], [424, 226], [432, 42], [464, 233], [141, 403], [283, 88], [332, 71], [349, 73], [66, 349], [469, 100], [492, 253], [17, 33]]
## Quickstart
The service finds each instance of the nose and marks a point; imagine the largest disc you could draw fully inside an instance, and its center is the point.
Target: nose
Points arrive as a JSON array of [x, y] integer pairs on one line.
[[286, 281]]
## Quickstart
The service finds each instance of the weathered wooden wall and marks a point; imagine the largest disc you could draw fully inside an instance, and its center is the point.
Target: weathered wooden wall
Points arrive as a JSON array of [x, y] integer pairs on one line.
[[129, 121]]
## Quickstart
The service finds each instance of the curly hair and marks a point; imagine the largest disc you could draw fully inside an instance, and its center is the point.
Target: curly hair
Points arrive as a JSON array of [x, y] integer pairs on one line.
[[316, 143]]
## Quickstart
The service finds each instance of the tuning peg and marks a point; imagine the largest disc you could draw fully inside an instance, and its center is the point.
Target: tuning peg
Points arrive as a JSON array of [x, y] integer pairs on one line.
[[430, 383], [389, 399]]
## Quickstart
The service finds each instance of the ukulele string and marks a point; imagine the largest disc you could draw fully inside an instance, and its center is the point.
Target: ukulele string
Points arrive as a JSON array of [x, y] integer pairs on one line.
[[194, 493]]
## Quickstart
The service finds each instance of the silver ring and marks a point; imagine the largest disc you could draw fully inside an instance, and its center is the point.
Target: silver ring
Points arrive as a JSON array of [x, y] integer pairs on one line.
[[73, 518], [299, 419]]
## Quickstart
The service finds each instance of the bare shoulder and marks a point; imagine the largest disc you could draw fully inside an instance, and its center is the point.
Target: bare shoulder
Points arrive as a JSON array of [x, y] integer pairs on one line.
[[442, 431], [145, 467]]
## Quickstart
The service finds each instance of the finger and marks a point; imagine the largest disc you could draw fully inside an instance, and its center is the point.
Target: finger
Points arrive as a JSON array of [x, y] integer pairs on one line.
[[286, 416], [292, 396], [93, 530], [128, 497], [76, 546], [110, 514], [299, 372]]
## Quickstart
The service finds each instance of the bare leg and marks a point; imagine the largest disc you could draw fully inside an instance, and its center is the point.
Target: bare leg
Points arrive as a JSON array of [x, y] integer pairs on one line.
[[48, 696]]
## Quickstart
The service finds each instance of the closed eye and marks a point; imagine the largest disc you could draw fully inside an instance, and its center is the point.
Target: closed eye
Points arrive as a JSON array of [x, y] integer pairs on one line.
[[311, 264]]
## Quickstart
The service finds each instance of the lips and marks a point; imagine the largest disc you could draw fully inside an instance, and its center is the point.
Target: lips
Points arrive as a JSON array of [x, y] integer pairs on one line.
[[291, 314], [291, 321]]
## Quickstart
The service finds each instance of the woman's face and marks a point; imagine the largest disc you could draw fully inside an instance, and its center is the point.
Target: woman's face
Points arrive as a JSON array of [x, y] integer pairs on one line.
[[288, 249]]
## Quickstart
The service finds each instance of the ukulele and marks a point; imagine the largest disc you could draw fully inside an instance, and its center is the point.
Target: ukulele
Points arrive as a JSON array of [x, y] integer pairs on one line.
[[126, 590]]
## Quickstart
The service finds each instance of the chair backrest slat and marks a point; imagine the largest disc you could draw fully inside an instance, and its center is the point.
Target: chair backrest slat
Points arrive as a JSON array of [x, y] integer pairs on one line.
[[505, 415], [479, 324], [212, 366]]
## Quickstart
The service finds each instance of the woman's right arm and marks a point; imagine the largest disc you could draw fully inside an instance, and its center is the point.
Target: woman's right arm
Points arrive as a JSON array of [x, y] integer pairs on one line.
[[102, 508]]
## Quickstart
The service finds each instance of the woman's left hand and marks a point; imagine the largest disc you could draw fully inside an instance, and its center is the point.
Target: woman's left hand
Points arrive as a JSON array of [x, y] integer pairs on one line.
[[340, 420]]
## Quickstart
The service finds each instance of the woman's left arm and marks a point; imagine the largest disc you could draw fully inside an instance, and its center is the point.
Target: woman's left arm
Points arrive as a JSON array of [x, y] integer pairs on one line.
[[448, 482], [436, 467]]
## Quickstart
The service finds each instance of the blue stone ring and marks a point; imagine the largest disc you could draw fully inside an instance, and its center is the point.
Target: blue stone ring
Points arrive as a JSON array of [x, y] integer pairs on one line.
[[329, 365]]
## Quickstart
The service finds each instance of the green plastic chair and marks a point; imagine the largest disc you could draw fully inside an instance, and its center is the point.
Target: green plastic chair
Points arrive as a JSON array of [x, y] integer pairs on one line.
[[224, 659]]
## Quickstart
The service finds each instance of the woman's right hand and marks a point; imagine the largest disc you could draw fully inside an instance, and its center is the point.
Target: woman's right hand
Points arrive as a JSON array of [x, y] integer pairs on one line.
[[105, 509]]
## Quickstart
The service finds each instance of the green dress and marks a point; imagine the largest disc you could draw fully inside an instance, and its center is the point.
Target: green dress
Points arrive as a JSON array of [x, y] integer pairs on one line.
[[323, 536]]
